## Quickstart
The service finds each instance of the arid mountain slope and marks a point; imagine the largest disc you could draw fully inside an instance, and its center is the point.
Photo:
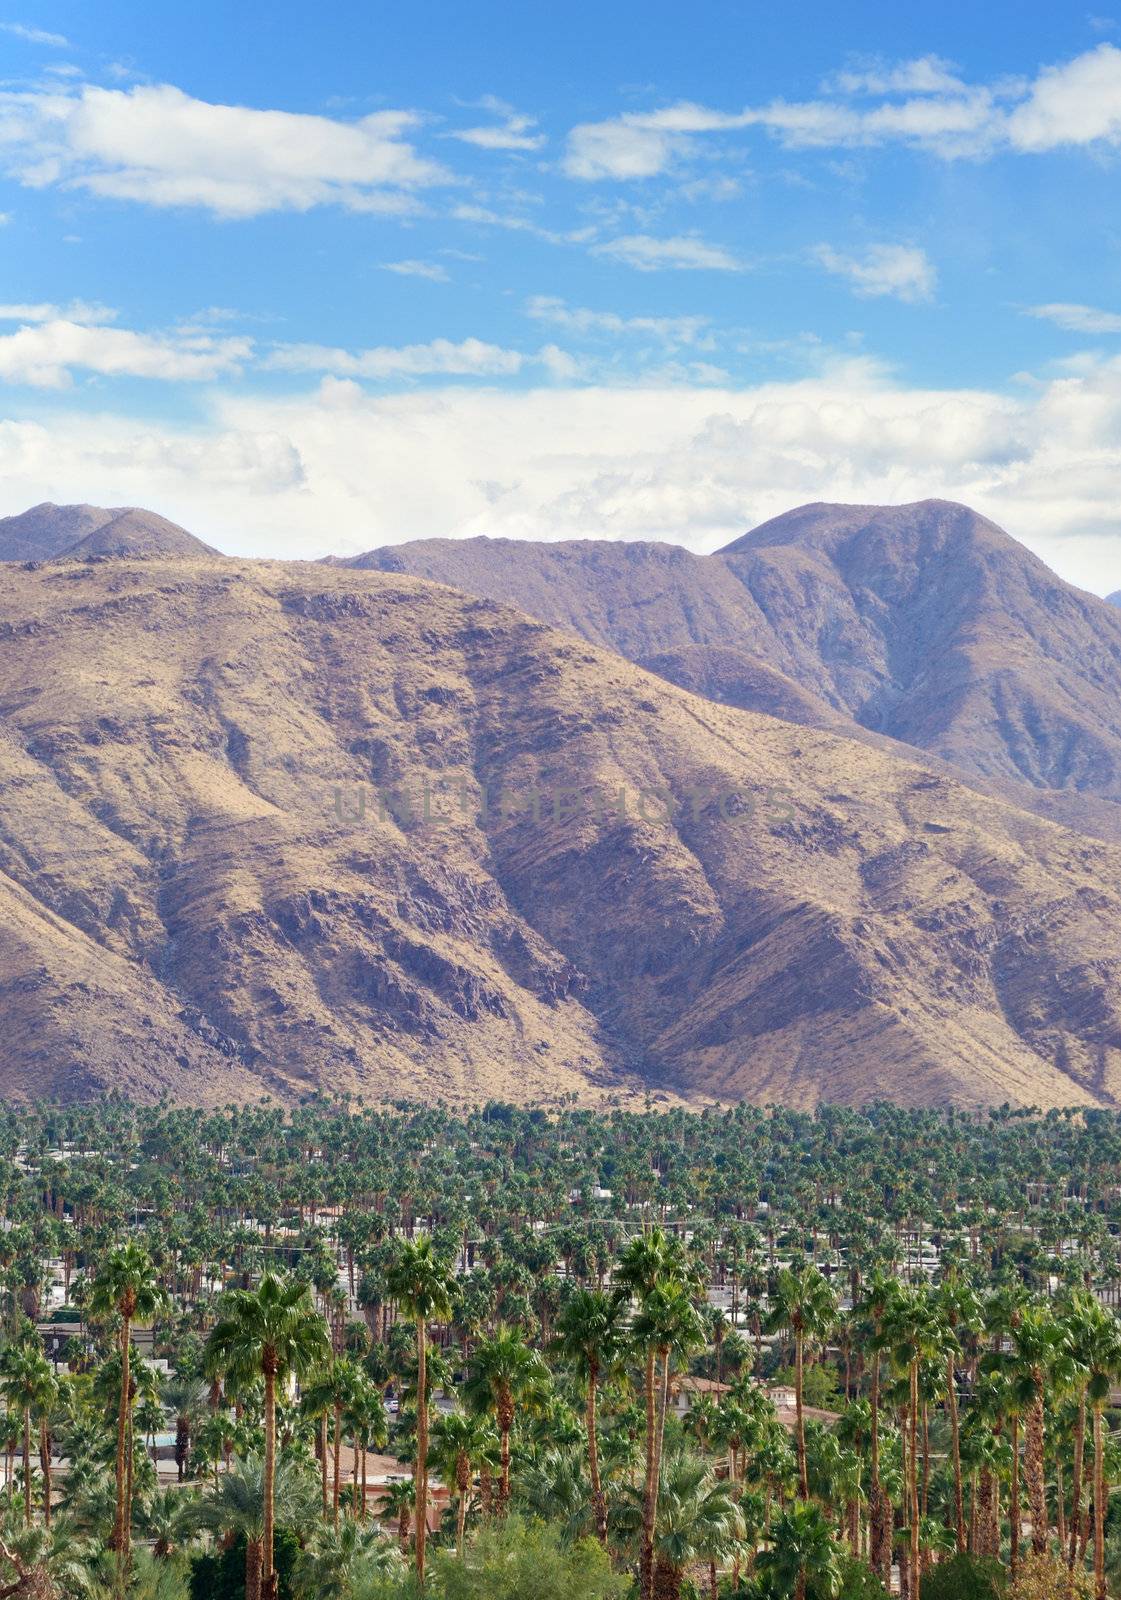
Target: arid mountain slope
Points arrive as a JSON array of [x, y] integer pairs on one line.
[[49, 531], [192, 897], [924, 623]]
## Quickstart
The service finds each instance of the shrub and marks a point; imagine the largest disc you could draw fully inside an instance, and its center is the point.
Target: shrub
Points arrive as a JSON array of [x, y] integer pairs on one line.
[[527, 1561], [859, 1582], [1045, 1577], [964, 1578]]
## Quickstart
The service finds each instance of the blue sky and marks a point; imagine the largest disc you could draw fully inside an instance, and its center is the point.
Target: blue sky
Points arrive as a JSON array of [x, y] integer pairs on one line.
[[313, 280]]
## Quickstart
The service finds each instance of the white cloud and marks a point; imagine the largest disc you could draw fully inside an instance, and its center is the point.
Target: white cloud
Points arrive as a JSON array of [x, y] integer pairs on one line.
[[417, 269], [582, 321], [469, 358], [919, 103], [901, 271], [923, 75], [1078, 319], [20, 30], [51, 344], [343, 469], [484, 216], [157, 145], [1078, 103], [513, 132], [44, 311], [683, 252]]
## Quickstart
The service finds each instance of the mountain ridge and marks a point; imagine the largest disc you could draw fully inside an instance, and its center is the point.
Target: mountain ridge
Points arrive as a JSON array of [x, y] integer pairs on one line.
[[925, 623], [195, 898]]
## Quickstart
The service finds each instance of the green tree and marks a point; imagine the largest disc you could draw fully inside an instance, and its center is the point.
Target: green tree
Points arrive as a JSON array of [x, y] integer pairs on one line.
[[505, 1372], [127, 1286], [421, 1283], [805, 1305], [591, 1337], [271, 1333], [802, 1558]]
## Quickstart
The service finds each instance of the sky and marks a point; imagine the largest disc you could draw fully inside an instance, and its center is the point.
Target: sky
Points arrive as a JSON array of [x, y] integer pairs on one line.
[[312, 280]]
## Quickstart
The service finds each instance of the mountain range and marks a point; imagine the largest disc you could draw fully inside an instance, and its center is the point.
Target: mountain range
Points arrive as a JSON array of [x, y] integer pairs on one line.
[[831, 814]]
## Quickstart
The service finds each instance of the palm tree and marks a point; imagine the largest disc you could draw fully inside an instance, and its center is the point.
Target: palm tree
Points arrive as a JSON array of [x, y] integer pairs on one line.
[[590, 1335], [243, 1502], [28, 1385], [421, 1283], [802, 1558], [170, 1518], [505, 1373], [47, 1563], [274, 1333], [804, 1304], [461, 1441], [1082, 1317], [879, 1292], [186, 1399], [960, 1306], [650, 1259], [368, 1425], [1103, 1352], [698, 1520], [397, 1501], [126, 1286], [339, 1559]]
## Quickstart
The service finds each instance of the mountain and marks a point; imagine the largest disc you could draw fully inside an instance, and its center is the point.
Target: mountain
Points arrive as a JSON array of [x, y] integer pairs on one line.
[[202, 894], [925, 624], [46, 532]]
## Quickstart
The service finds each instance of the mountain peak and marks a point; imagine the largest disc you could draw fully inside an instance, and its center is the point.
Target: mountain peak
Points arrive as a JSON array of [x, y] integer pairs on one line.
[[48, 531], [826, 525]]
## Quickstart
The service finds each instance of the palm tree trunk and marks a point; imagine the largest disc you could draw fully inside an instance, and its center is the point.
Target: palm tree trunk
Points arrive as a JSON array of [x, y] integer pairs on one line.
[[646, 1557], [1060, 1503], [1014, 1500], [421, 1445], [503, 1464], [1099, 1508], [800, 1430], [913, 1487], [338, 1444], [323, 1464], [252, 1569], [120, 1540], [599, 1504], [1033, 1459], [1076, 1482], [45, 1462], [955, 1447], [268, 1585], [27, 1466]]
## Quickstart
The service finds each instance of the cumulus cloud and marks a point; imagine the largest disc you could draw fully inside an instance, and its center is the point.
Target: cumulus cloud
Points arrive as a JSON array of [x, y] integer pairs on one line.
[[1078, 319], [343, 469], [901, 271], [921, 103], [1078, 103], [47, 349], [159, 146], [684, 252]]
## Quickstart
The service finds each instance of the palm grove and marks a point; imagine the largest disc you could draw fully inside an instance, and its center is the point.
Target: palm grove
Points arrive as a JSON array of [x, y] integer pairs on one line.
[[347, 1352]]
